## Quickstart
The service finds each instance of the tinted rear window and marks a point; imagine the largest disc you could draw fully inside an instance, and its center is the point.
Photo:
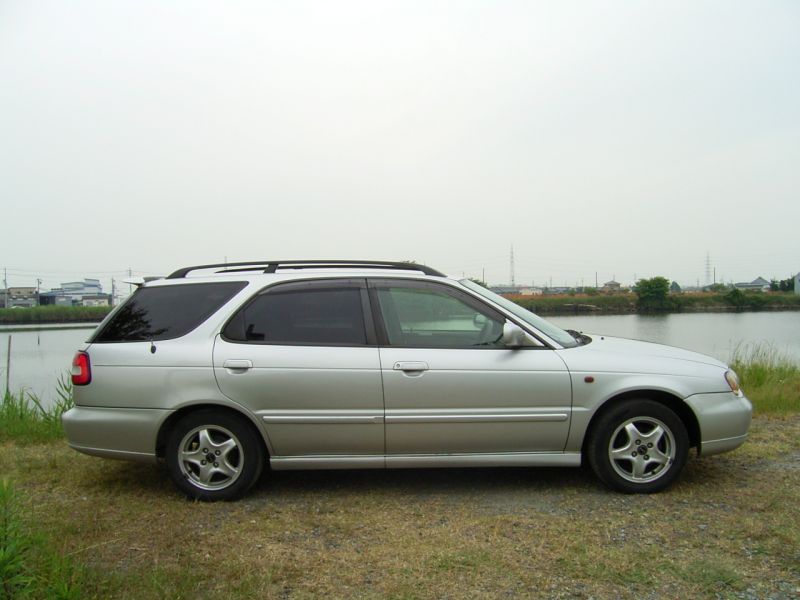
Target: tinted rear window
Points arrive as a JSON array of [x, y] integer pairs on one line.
[[166, 312], [318, 316]]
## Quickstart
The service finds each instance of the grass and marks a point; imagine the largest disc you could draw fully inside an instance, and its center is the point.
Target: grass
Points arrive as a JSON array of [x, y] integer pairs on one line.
[[53, 314], [110, 529], [625, 303], [26, 420], [728, 527], [769, 378], [29, 567], [578, 303]]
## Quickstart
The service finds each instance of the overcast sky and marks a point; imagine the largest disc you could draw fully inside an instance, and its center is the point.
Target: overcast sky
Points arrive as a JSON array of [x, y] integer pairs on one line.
[[623, 138]]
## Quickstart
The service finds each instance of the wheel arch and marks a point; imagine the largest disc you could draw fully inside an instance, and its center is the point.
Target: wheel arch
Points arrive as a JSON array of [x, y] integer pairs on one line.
[[170, 422], [671, 401]]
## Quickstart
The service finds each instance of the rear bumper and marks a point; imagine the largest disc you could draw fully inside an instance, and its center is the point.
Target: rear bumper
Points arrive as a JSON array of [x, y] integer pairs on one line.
[[724, 419], [122, 433]]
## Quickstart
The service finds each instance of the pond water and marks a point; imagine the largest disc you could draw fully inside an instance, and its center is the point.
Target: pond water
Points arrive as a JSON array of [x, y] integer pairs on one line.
[[716, 334], [39, 355]]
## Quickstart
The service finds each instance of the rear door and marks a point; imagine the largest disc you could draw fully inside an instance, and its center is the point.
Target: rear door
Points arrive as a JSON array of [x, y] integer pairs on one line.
[[302, 356], [452, 387]]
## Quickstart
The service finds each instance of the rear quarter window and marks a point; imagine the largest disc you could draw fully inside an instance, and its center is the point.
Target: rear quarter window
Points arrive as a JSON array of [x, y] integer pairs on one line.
[[165, 312]]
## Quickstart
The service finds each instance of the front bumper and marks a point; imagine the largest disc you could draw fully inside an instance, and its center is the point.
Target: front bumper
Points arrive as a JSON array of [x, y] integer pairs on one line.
[[724, 419], [123, 433]]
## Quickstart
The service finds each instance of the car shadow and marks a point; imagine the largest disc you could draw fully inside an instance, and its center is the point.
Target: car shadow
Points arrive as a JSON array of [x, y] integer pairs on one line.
[[492, 484], [497, 480]]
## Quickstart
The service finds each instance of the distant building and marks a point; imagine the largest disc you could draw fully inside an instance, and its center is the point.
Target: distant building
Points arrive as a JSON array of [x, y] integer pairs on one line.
[[53, 298], [609, 287], [504, 289], [759, 284], [88, 292], [532, 291], [98, 300], [557, 291], [797, 283], [24, 297]]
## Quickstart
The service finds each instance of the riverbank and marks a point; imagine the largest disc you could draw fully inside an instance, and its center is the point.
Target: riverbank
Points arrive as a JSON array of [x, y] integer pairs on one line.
[[621, 304], [53, 315], [611, 304]]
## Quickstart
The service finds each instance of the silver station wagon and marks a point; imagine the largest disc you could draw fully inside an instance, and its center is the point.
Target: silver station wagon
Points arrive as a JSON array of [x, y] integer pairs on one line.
[[221, 370]]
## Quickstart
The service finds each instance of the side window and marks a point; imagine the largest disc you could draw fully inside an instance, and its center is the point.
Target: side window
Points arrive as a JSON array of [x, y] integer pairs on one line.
[[425, 317], [327, 316]]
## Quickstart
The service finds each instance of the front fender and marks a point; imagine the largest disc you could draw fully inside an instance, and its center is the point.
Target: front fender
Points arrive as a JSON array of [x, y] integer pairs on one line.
[[589, 396]]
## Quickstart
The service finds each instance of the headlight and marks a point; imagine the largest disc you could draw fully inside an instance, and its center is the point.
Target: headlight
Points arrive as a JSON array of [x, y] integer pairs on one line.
[[733, 382]]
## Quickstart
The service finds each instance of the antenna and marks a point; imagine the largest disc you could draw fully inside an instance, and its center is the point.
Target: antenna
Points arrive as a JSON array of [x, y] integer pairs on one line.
[[708, 268]]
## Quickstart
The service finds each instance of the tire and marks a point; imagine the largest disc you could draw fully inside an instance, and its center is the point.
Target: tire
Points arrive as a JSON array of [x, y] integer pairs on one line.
[[638, 447], [214, 455]]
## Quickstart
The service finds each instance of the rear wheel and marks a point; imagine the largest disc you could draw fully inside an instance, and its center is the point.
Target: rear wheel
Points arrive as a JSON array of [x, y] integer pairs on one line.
[[214, 455], [638, 446]]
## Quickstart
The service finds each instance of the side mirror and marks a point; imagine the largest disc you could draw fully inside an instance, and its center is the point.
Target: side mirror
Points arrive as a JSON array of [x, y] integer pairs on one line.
[[513, 336]]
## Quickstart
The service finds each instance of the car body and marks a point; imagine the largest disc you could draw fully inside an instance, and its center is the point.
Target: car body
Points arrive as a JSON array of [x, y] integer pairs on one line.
[[220, 370]]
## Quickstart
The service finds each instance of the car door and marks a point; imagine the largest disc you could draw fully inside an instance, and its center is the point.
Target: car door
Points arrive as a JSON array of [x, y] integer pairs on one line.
[[302, 357], [452, 387]]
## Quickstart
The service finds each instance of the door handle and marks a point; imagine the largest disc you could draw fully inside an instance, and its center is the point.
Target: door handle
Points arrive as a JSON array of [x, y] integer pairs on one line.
[[413, 366], [236, 364]]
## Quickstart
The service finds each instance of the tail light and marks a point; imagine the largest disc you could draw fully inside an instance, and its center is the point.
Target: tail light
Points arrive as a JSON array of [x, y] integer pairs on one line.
[[81, 369]]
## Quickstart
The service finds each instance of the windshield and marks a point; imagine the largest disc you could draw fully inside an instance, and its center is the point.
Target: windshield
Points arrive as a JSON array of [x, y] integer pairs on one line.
[[547, 328]]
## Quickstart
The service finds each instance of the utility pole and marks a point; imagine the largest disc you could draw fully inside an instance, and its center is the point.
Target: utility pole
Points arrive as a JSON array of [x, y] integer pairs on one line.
[[130, 274], [38, 292], [595, 280], [483, 274], [512, 266], [113, 291], [5, 287], [715, 275]]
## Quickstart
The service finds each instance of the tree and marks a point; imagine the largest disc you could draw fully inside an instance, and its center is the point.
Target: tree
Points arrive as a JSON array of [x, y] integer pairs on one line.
[[786, 285], [652, 294], [736, 298]]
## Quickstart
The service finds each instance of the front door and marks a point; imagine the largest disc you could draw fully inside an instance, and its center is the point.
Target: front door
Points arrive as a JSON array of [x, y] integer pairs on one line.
[[452, 387]]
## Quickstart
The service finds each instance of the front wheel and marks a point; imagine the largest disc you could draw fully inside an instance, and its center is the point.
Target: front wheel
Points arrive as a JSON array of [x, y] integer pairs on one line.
[[213, 455], [638, 446]]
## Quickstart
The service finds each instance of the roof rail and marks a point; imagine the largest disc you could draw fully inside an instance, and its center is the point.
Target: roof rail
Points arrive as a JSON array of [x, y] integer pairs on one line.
[[271, 266]]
